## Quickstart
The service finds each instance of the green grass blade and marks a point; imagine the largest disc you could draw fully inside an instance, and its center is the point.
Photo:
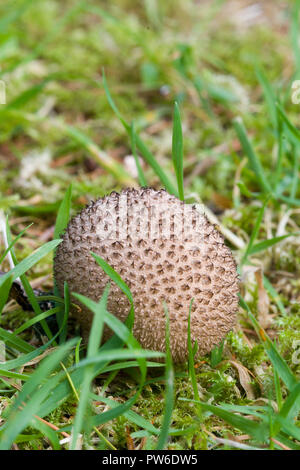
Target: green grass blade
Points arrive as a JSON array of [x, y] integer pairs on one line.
[[216, 354], [290, 429], [278, 362], [280, 153], [28, 289], [120, 410], [191, 352], [149, 158], [63, 390], [13, 375], [41, 45], [30, 261], [202, 91], [295, 178], [281, 366], [4, 292], [114, 276], [47, 432], [110, 354], [269, 95], [294, 131], [12, 340], [289, 200], [258, 430], [142, 179], [294, 31], [63, 215], [35, 304], [36, 319], [274, 295], [100, 157], [289, 410], [130, 415], [253, 159], [177, 151], [169, 394], [62, 322], [277, 387], [118, 366], [125, 334], [25, 358], [291, 406], [18, 415], [99, 310], [121, 330], [62, 220], [13, 14], [2, 257], [118, 354], [268, 243], [155, 166], [120, 283], [254, 233], [23, 98]]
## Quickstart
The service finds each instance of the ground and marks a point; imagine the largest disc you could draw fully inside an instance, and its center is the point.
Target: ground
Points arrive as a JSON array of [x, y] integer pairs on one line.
[[230, 66]]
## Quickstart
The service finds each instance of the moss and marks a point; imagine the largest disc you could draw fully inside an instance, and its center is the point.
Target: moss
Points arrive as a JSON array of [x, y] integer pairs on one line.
[[249, 357], [151, 58], [288, 337]]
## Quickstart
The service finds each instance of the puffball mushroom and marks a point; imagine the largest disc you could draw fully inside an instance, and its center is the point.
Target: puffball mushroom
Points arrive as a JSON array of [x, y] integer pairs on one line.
[[168, 253]]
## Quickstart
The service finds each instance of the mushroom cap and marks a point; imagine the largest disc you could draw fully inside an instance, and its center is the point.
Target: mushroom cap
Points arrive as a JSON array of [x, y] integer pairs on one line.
[[167, 252]]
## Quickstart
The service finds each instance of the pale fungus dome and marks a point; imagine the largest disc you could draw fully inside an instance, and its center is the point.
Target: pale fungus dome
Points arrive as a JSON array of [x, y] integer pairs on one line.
[[168, 253]]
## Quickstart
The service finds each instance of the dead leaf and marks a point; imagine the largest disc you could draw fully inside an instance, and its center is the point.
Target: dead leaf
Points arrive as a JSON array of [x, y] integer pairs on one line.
[[244, 378], [37, 359], [241, 438], [129, 440], [263, 307]]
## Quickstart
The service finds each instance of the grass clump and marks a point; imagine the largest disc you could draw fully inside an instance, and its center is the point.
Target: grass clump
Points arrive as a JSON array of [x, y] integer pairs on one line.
[[63, 123]]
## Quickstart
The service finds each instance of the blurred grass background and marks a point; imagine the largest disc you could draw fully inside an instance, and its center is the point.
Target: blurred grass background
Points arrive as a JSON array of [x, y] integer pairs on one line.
[[202, 54], [219, 60]]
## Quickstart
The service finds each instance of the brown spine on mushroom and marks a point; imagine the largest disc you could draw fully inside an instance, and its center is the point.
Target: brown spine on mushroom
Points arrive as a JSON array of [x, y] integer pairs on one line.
[[160, 260]]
